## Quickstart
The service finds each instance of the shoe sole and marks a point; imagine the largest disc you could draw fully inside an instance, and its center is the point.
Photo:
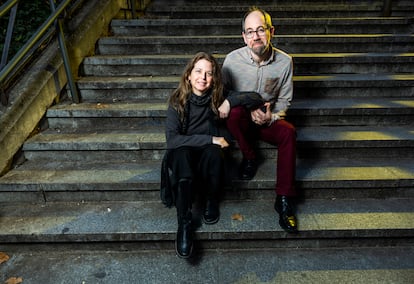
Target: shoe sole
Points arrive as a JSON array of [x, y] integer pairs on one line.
[[246, 178], [286, 229], [184, 256], [211, 222]]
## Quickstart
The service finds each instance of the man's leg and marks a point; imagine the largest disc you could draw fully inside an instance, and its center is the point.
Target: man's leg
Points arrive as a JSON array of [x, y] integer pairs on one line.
[[239, 125], [283, 134]]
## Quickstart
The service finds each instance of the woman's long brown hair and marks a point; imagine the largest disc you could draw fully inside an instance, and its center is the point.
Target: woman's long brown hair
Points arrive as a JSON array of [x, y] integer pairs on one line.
[[180, 96]]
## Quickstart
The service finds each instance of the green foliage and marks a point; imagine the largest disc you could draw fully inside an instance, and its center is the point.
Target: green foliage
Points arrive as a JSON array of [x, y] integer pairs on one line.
[[30, 16]]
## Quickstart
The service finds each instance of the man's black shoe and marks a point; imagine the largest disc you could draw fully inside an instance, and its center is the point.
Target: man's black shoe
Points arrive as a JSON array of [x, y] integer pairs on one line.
[[287, 219], [211, 213], [248, 169]]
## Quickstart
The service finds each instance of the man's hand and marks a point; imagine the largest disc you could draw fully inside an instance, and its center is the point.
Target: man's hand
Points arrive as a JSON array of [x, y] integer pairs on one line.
[[259, 117]]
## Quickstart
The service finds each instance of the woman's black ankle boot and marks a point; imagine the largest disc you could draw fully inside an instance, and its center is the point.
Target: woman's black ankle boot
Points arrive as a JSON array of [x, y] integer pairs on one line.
[[184, 239]]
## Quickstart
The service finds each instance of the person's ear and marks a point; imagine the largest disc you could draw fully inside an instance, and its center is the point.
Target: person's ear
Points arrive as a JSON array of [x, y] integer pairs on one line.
[[272, 31], [244, 38]]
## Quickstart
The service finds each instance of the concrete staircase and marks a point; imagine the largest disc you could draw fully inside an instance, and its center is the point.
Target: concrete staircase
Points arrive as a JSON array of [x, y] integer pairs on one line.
[[86, 199]]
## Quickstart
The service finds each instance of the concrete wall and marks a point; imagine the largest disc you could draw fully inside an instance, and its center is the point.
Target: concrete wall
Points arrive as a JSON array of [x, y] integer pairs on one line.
[[40, 85]]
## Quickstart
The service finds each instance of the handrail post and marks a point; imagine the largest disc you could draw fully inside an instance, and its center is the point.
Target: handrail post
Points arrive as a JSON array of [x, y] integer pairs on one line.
[[133, 9], [9, 34], [66, 62], [387, 8]]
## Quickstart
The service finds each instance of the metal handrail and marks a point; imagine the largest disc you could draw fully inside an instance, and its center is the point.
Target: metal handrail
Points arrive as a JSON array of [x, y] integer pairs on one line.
[[34, 39], [3, 10], [7, 6]]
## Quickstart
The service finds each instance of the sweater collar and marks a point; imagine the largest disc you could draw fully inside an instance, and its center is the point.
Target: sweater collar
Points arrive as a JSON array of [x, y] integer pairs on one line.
[[200, 100]]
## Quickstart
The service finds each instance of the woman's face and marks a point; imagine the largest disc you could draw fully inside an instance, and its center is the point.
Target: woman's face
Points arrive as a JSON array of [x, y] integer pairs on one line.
[[201, 77]]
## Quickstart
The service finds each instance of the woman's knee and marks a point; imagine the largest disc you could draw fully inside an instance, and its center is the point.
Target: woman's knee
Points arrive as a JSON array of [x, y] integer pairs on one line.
[[212, 160], [180, 162]]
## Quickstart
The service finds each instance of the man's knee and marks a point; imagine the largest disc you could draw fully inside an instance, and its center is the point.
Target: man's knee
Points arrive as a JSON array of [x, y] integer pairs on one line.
[[287, 129], [237, 113]]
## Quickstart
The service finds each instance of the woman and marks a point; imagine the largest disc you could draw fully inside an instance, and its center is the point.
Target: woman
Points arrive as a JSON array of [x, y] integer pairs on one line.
[[195, 147]]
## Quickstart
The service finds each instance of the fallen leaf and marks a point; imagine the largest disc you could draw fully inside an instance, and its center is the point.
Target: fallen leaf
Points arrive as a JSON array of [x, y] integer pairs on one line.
[[3, 257], [14, 280], [100, 106], [237, 217]]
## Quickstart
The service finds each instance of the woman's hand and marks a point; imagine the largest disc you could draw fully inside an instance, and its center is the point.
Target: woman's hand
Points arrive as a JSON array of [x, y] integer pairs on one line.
[[220, 141], [224, 109]]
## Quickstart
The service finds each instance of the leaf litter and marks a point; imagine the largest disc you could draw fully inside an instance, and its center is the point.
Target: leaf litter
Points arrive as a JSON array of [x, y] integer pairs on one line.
[[12, 280]]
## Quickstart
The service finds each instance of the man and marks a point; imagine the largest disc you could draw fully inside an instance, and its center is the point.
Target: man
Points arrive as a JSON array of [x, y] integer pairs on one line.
[[262, 68]]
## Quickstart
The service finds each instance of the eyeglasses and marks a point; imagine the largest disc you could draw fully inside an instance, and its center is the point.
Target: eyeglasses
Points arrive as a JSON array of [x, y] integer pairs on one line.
[[261, 31]]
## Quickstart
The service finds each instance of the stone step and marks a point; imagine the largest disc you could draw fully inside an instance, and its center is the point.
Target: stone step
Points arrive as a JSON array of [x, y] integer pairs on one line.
[[303, 112], [247, 224], [133, 89], [302, 9], [128, 45], [85, 208], [122, 263], [313, 142], [284, 26], [134, 178], [304, 64], [200, 3]]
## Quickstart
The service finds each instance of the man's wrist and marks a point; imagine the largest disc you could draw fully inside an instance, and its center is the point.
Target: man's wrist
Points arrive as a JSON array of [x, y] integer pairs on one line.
[[274, 118]]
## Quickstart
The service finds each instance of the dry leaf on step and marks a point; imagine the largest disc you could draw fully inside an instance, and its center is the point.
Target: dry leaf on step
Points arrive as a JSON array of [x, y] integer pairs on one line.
[[100, 106], [3, 257], [237, 217], [14, 280]]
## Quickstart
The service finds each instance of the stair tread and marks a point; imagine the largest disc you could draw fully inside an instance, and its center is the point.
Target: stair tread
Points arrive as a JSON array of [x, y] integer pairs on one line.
[[144, 175], [307, 38], [333, 265], [276, 21], [306, 6], [157, 108], [106, 221], [155, 138], [97, 81], [297, 57]]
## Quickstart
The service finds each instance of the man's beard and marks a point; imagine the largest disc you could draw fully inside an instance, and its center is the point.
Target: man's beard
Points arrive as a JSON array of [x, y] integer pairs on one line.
[[260, 50]]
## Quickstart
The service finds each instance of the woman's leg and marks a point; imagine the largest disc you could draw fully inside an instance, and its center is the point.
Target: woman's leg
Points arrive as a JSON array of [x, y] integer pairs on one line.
[[211, 167], [180, 161]]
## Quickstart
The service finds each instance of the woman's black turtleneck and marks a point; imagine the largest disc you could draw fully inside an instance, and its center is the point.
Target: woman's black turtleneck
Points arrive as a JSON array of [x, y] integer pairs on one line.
[[198, 128]]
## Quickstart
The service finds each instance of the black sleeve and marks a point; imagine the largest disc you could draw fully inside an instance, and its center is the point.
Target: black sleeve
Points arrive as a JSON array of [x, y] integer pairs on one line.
[[250, 100]]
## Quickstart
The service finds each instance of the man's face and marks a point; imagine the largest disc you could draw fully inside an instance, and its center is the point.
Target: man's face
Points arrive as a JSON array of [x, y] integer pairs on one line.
[[256, 34]]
